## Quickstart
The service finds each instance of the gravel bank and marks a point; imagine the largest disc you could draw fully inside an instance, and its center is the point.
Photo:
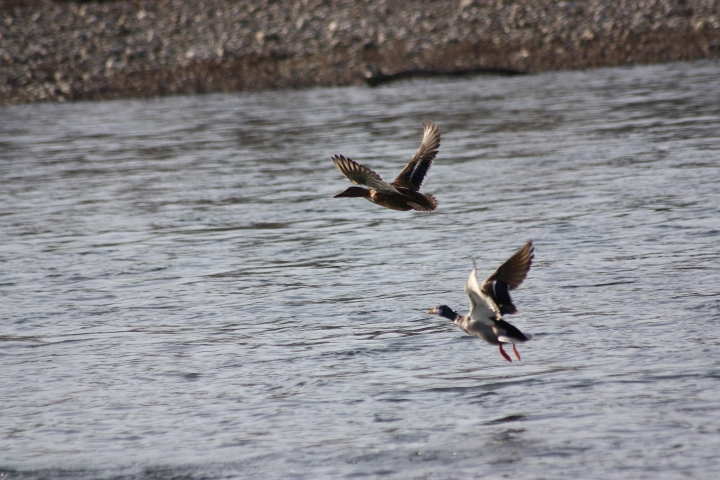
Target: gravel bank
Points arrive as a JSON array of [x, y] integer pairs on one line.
[[55, 50]]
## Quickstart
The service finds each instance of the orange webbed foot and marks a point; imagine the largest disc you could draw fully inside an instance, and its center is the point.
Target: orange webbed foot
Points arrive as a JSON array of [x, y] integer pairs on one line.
[[517, 355], [502, 352]]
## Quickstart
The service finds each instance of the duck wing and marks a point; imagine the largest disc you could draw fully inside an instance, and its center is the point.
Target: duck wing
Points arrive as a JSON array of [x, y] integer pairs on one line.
[[481, 310], [508, 277], [413, 174], [361, 175]]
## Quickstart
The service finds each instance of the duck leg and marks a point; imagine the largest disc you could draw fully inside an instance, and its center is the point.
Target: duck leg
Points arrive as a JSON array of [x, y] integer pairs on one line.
[[502, 352], [517, 355]]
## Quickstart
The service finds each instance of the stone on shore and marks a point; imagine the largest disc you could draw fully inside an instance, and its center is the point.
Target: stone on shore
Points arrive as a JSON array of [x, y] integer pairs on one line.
[[55, 50]]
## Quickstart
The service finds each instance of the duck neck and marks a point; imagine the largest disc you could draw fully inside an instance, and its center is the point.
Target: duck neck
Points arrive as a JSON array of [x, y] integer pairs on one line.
[[356, 192], [451, 314]]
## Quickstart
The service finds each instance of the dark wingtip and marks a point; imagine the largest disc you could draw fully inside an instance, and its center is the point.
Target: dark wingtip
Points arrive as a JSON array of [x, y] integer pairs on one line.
[[339, 158], [531, 251]]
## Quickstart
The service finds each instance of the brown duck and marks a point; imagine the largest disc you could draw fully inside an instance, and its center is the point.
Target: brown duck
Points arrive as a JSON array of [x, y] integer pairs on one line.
[[402, 194]]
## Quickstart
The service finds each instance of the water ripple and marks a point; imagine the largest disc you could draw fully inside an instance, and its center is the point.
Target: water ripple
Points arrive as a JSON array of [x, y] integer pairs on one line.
[[182, 296]]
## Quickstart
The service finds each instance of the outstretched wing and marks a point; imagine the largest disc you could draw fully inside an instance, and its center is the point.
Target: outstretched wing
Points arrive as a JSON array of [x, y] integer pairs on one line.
[[413, 174], [480, 310], [508, 277], [361, 175]]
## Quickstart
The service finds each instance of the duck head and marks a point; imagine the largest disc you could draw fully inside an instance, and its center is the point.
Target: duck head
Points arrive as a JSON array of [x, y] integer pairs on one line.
[[354, 192], [444, 311]]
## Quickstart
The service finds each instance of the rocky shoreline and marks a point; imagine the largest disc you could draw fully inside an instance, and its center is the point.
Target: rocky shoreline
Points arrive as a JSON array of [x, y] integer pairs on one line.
[[56, 50]]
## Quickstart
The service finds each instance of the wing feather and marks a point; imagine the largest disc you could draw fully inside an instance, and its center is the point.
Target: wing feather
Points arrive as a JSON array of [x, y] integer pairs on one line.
[[413, 175], [480, 310], [508, 277], [514, 270], [361, 175]]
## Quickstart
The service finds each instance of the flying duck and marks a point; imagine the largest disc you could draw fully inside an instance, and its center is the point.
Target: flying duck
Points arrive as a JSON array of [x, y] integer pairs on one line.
[[402, 194], [491, 300]]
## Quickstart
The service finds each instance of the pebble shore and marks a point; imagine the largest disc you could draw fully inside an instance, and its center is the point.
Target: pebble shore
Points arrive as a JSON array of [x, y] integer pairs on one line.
[[58, 50]]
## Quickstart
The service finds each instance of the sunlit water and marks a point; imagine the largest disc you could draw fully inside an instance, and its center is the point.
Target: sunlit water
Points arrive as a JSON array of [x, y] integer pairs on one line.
[[182, 296]]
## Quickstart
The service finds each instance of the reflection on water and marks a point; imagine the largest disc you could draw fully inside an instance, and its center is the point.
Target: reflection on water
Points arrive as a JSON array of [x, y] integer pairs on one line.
[[183, 296]]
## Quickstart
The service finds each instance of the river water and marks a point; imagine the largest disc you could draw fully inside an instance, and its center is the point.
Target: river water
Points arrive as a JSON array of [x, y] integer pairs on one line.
[[183, 298]]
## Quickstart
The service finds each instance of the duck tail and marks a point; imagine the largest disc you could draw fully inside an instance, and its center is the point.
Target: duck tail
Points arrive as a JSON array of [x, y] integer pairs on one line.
[[512, 334], [428, 204]]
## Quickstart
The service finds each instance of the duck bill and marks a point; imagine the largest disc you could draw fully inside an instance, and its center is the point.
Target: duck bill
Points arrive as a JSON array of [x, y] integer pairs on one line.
[[433, 311]]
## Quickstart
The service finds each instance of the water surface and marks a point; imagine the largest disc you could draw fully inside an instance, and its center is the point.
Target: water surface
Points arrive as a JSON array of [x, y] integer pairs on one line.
[[182, 296]]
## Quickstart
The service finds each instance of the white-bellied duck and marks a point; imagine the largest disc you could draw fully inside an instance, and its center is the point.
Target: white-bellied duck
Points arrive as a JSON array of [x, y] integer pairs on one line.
[[402, 194], [491, 300]]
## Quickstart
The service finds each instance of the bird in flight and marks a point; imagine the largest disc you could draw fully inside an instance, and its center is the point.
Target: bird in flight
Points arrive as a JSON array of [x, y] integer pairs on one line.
[[403, 192], [491, 300]]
